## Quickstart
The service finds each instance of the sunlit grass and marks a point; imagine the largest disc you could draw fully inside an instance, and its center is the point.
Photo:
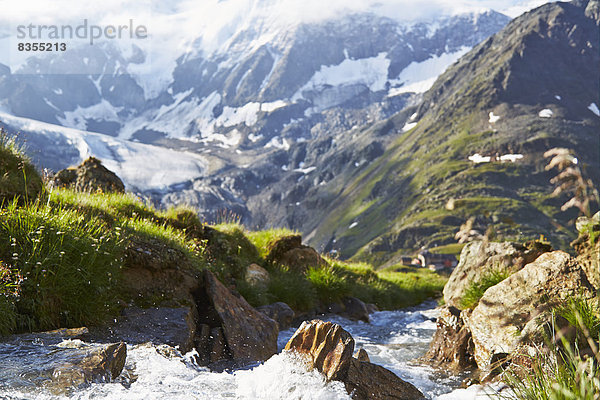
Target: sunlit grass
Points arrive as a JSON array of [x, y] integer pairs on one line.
[[563, 369], [70, 266], [477, 288]]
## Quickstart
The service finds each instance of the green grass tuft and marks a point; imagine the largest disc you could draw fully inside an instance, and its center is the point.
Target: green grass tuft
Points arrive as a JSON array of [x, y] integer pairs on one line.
[[476, 289], [563, 370], [331, 285], [291, 288], [70, 266], [582, 314], [262, 239], [18, 177]]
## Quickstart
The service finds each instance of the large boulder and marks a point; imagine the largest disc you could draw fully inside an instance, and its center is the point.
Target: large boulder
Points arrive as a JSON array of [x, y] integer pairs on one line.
[[290, 251], [157, 274], [280, 313], [328, 348], [451, 347], [368, 381], [250, 335], [482, 257], [89, 176], [511, 314]]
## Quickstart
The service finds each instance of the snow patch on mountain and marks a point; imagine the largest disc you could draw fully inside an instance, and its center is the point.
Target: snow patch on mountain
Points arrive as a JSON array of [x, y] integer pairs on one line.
[[278, 143], [594, 108], [418, 77], [371, 72], [141, 167], [102, 111]]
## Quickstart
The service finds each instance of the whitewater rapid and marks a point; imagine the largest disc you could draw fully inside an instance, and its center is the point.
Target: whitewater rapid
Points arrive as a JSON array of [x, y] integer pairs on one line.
[[394, 339]]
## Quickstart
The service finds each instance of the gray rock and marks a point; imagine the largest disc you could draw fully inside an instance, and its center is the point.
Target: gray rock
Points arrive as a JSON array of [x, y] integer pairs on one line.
[[85, 366], [355, 309], [481, 257], [371, 308], [257, 276], [511, 313], [250, 335], [451, 347], [280, 313]]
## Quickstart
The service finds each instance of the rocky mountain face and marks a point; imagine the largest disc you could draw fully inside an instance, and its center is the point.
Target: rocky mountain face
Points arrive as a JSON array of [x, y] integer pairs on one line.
[[531, 87]]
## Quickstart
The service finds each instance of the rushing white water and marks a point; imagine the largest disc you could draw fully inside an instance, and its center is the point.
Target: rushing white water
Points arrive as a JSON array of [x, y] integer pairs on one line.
[[393, 339]]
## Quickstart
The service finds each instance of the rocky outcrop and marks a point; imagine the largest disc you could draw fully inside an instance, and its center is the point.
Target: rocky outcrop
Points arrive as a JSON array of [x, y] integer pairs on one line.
[[156, 274], [290, 251], [89, 176], [452, 346], [511, 313], [280, 313], [328, 348], [89, 365], [249, 334], [481, 257]]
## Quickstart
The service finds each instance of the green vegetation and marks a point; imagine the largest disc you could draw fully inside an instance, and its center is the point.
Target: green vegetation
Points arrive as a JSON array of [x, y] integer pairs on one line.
[[18, 177], [70, 266], [476, 289], [261, 239], [453, 248], [566, 369], [582, 314], [64, 254]]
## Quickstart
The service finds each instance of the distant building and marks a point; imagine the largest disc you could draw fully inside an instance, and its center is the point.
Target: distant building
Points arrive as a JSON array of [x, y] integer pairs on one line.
[[437, 261]]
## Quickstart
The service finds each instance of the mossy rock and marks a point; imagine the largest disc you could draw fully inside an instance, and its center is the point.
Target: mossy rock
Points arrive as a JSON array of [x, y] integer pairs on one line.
[[91, 176], [18, 177]]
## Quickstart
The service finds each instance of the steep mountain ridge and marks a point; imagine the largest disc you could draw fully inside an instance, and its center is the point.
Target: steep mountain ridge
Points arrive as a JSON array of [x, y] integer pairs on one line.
[[490, 102]]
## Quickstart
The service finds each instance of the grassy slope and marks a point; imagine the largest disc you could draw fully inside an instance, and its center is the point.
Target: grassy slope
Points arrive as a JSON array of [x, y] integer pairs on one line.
[[399, 200]]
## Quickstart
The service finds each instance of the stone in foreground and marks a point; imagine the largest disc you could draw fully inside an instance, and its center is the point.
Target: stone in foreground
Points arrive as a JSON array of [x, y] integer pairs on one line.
[[511, 313], [250, 335], [328, 348], [479, 257], [101, 364], [280, 313], [451, 347], [90, 176]]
